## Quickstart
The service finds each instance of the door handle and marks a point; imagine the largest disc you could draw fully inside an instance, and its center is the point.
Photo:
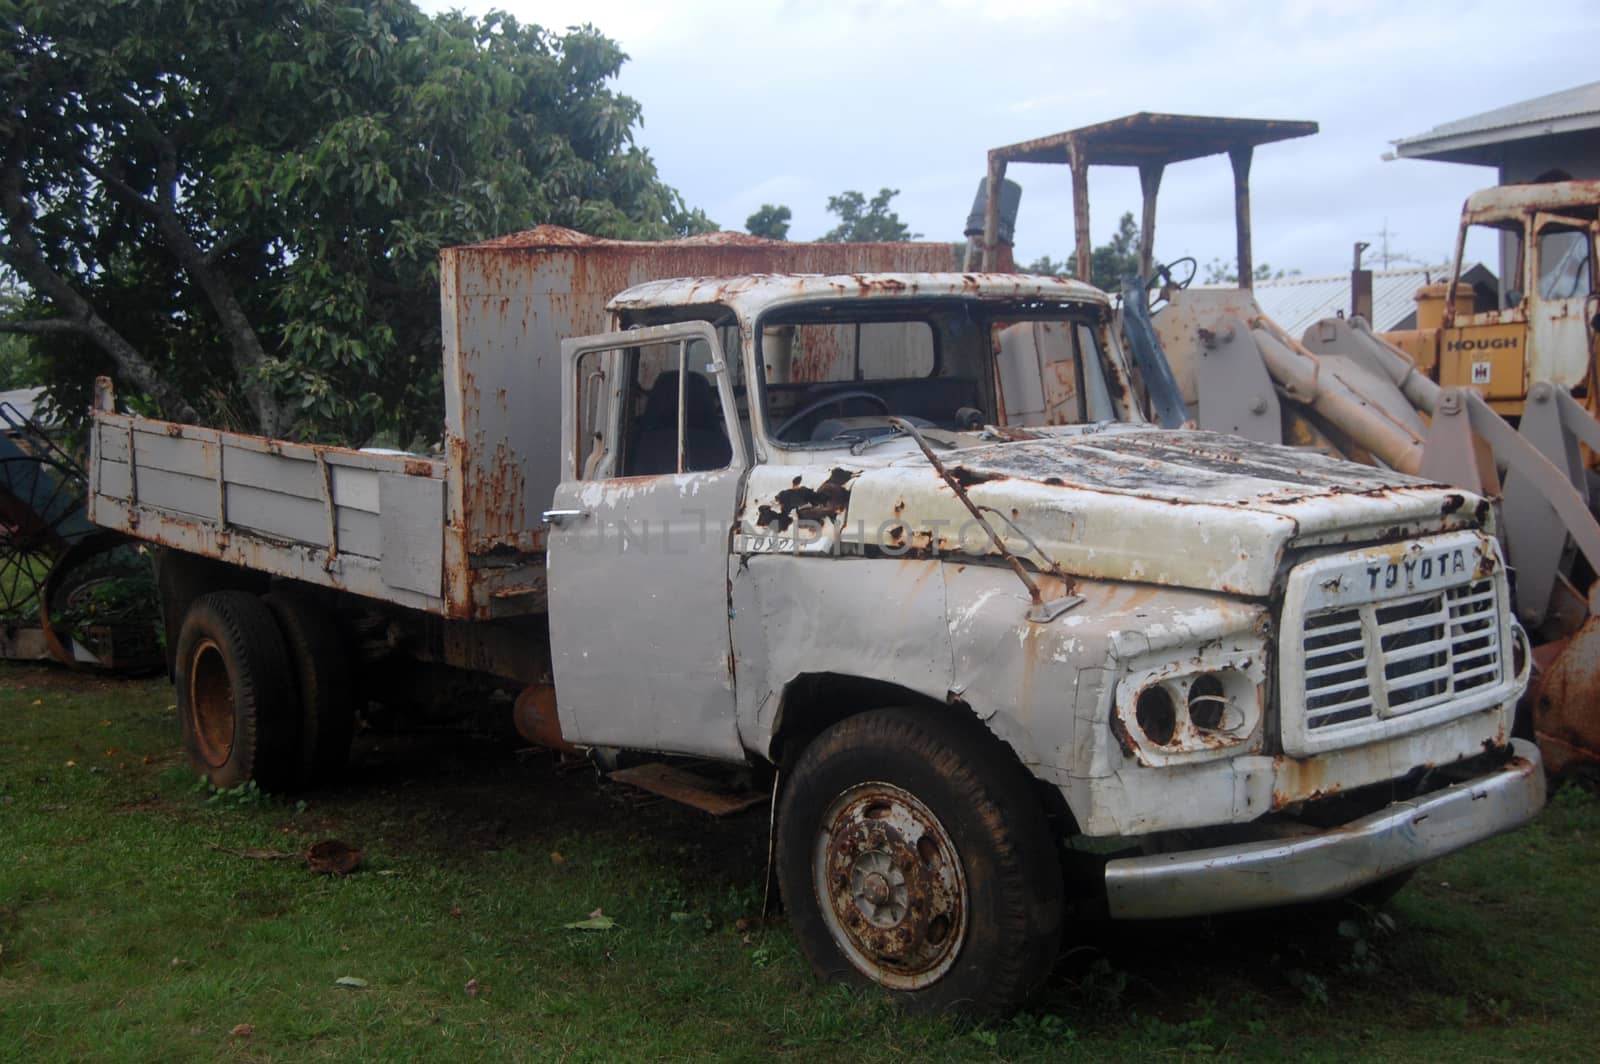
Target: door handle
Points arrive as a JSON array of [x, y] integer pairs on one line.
[[557, 517]]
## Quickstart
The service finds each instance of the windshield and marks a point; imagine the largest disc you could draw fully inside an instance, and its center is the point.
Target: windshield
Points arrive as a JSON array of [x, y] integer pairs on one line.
[[837, 373]]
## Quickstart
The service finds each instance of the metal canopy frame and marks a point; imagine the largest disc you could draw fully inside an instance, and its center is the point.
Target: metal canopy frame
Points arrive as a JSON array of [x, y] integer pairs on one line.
[[1150, 142]]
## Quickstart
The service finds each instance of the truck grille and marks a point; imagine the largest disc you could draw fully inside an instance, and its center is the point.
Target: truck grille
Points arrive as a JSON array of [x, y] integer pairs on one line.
[[1383, 659]]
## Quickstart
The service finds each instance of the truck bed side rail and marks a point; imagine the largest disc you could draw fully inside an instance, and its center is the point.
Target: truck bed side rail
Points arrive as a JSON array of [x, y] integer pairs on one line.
[[369, 523]]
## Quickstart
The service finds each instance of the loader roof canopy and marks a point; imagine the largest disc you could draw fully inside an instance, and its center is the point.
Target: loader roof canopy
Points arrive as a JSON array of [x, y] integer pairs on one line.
[[1144, 138]]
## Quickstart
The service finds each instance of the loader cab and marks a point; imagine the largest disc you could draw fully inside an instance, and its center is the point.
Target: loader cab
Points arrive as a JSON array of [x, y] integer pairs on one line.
[[1544, 325]]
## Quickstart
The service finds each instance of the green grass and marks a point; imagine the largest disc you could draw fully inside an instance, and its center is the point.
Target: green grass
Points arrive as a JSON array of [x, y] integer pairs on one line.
[[138, 921]]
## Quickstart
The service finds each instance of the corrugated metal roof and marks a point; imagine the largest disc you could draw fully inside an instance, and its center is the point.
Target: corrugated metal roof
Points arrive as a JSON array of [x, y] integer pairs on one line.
[[1296, 303], [1570, 109]]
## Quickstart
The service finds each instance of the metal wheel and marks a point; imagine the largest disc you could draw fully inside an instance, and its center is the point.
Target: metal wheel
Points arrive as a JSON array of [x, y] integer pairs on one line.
[[237, 709], [40, 508], [914, 857], [210, 705], [896, 893]]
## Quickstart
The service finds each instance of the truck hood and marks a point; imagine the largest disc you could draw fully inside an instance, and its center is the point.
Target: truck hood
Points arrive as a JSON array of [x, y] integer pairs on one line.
[[1180, 508]]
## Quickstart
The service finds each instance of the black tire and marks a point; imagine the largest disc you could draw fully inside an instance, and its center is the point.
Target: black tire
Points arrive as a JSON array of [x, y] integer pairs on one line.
[[323, 684], [236, 702], [968, 914]]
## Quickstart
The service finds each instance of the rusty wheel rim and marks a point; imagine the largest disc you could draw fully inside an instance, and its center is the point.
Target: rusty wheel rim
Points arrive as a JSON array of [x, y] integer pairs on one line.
[[890, 884], [211, 704]]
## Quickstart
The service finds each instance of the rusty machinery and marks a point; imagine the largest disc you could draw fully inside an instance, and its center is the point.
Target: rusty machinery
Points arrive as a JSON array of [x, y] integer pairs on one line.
[[1498, 400], [63, 582]]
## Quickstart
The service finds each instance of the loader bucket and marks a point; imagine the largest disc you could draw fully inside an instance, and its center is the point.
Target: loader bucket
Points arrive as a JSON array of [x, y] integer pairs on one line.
[[1562, 699]]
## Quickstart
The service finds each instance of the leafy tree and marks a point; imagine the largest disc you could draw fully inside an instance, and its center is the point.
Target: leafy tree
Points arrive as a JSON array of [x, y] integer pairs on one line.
[[236, 207], [1108, 263], [1112, 261], [1045, 266], [16, 368], [863, 221], [770, 221], [1219, 271]]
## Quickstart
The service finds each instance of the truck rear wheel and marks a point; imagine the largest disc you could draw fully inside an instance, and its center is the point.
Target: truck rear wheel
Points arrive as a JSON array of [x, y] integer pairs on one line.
[[236, 701], [913, 857], [322, 681]]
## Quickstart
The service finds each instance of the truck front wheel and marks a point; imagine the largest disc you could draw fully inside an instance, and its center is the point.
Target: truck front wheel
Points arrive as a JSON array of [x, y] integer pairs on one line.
[[236, 702], [913, 857]]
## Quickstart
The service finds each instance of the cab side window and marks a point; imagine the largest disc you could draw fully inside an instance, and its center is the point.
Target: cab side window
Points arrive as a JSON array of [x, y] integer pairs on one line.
[[1564, 267], [672, 416]]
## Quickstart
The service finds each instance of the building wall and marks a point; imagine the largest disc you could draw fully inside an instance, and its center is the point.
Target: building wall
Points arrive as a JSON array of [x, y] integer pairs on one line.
[[1578, 154]]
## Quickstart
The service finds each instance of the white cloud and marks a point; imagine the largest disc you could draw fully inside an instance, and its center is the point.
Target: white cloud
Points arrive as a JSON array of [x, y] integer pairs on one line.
[[793, 101]]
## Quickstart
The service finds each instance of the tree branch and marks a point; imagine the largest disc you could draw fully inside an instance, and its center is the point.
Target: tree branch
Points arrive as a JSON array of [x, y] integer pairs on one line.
[[244, 346], [43, 326], [25, 256]]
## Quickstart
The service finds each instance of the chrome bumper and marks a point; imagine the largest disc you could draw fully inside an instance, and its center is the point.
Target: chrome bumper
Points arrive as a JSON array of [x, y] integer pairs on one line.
[[1257, 875]]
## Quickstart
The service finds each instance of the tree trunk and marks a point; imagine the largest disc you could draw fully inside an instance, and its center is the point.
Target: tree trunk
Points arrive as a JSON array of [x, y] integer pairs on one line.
[[26, 257]]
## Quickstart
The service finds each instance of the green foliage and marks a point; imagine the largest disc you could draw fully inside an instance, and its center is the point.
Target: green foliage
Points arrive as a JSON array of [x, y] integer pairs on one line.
[[245, 796], [1109, 262], [863, 221], [1221, 271], [770, 221], [1046, 266], [17, 369], [302, 162], [115, 588]]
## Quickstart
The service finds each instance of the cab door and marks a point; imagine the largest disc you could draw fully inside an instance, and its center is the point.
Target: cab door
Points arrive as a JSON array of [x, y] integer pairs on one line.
[[652, 464], [1561, 301]]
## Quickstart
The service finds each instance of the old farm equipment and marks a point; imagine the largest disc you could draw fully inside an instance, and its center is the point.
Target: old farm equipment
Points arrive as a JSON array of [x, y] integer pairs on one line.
[[68, 590], [1485, 402]]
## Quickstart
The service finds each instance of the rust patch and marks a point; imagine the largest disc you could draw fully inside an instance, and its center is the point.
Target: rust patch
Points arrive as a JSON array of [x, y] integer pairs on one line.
[[1562, 696], [1124, 740], [798, 502], [968, 477]]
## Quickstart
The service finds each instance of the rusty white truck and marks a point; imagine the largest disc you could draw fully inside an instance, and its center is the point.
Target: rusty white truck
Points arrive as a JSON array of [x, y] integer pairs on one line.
[[902, 541]]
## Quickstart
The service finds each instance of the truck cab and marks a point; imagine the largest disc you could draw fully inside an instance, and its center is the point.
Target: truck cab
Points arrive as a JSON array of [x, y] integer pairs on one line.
[[1543, 326], [909, 539]]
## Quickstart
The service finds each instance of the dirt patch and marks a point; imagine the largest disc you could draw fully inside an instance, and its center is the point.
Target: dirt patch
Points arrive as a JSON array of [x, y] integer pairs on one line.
[[46, 676], [456, 795]]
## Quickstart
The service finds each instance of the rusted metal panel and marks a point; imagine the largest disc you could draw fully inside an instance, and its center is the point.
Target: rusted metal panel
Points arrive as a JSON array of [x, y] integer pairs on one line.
[[309, 513], [1145, 138], [410, 515], [680, 785], [1508, 203], [1177, 509], [508, 304], [751, 296], [1563, 699]]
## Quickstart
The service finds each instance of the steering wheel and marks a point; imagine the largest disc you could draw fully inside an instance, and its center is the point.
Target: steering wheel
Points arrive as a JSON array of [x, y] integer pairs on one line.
[[826, 401], [1163, 273]]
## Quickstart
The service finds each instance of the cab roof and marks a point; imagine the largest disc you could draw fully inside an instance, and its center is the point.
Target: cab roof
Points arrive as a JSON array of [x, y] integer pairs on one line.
[[753, 293]]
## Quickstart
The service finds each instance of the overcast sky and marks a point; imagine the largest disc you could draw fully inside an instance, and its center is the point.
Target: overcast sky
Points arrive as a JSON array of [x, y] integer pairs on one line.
[[788, 102]]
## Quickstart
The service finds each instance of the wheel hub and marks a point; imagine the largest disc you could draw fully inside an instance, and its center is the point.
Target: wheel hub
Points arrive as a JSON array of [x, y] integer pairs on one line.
[[891, 884], [211, 704]]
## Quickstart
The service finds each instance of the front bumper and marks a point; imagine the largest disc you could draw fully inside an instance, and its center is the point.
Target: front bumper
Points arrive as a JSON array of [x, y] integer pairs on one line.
[[1331, 863]]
